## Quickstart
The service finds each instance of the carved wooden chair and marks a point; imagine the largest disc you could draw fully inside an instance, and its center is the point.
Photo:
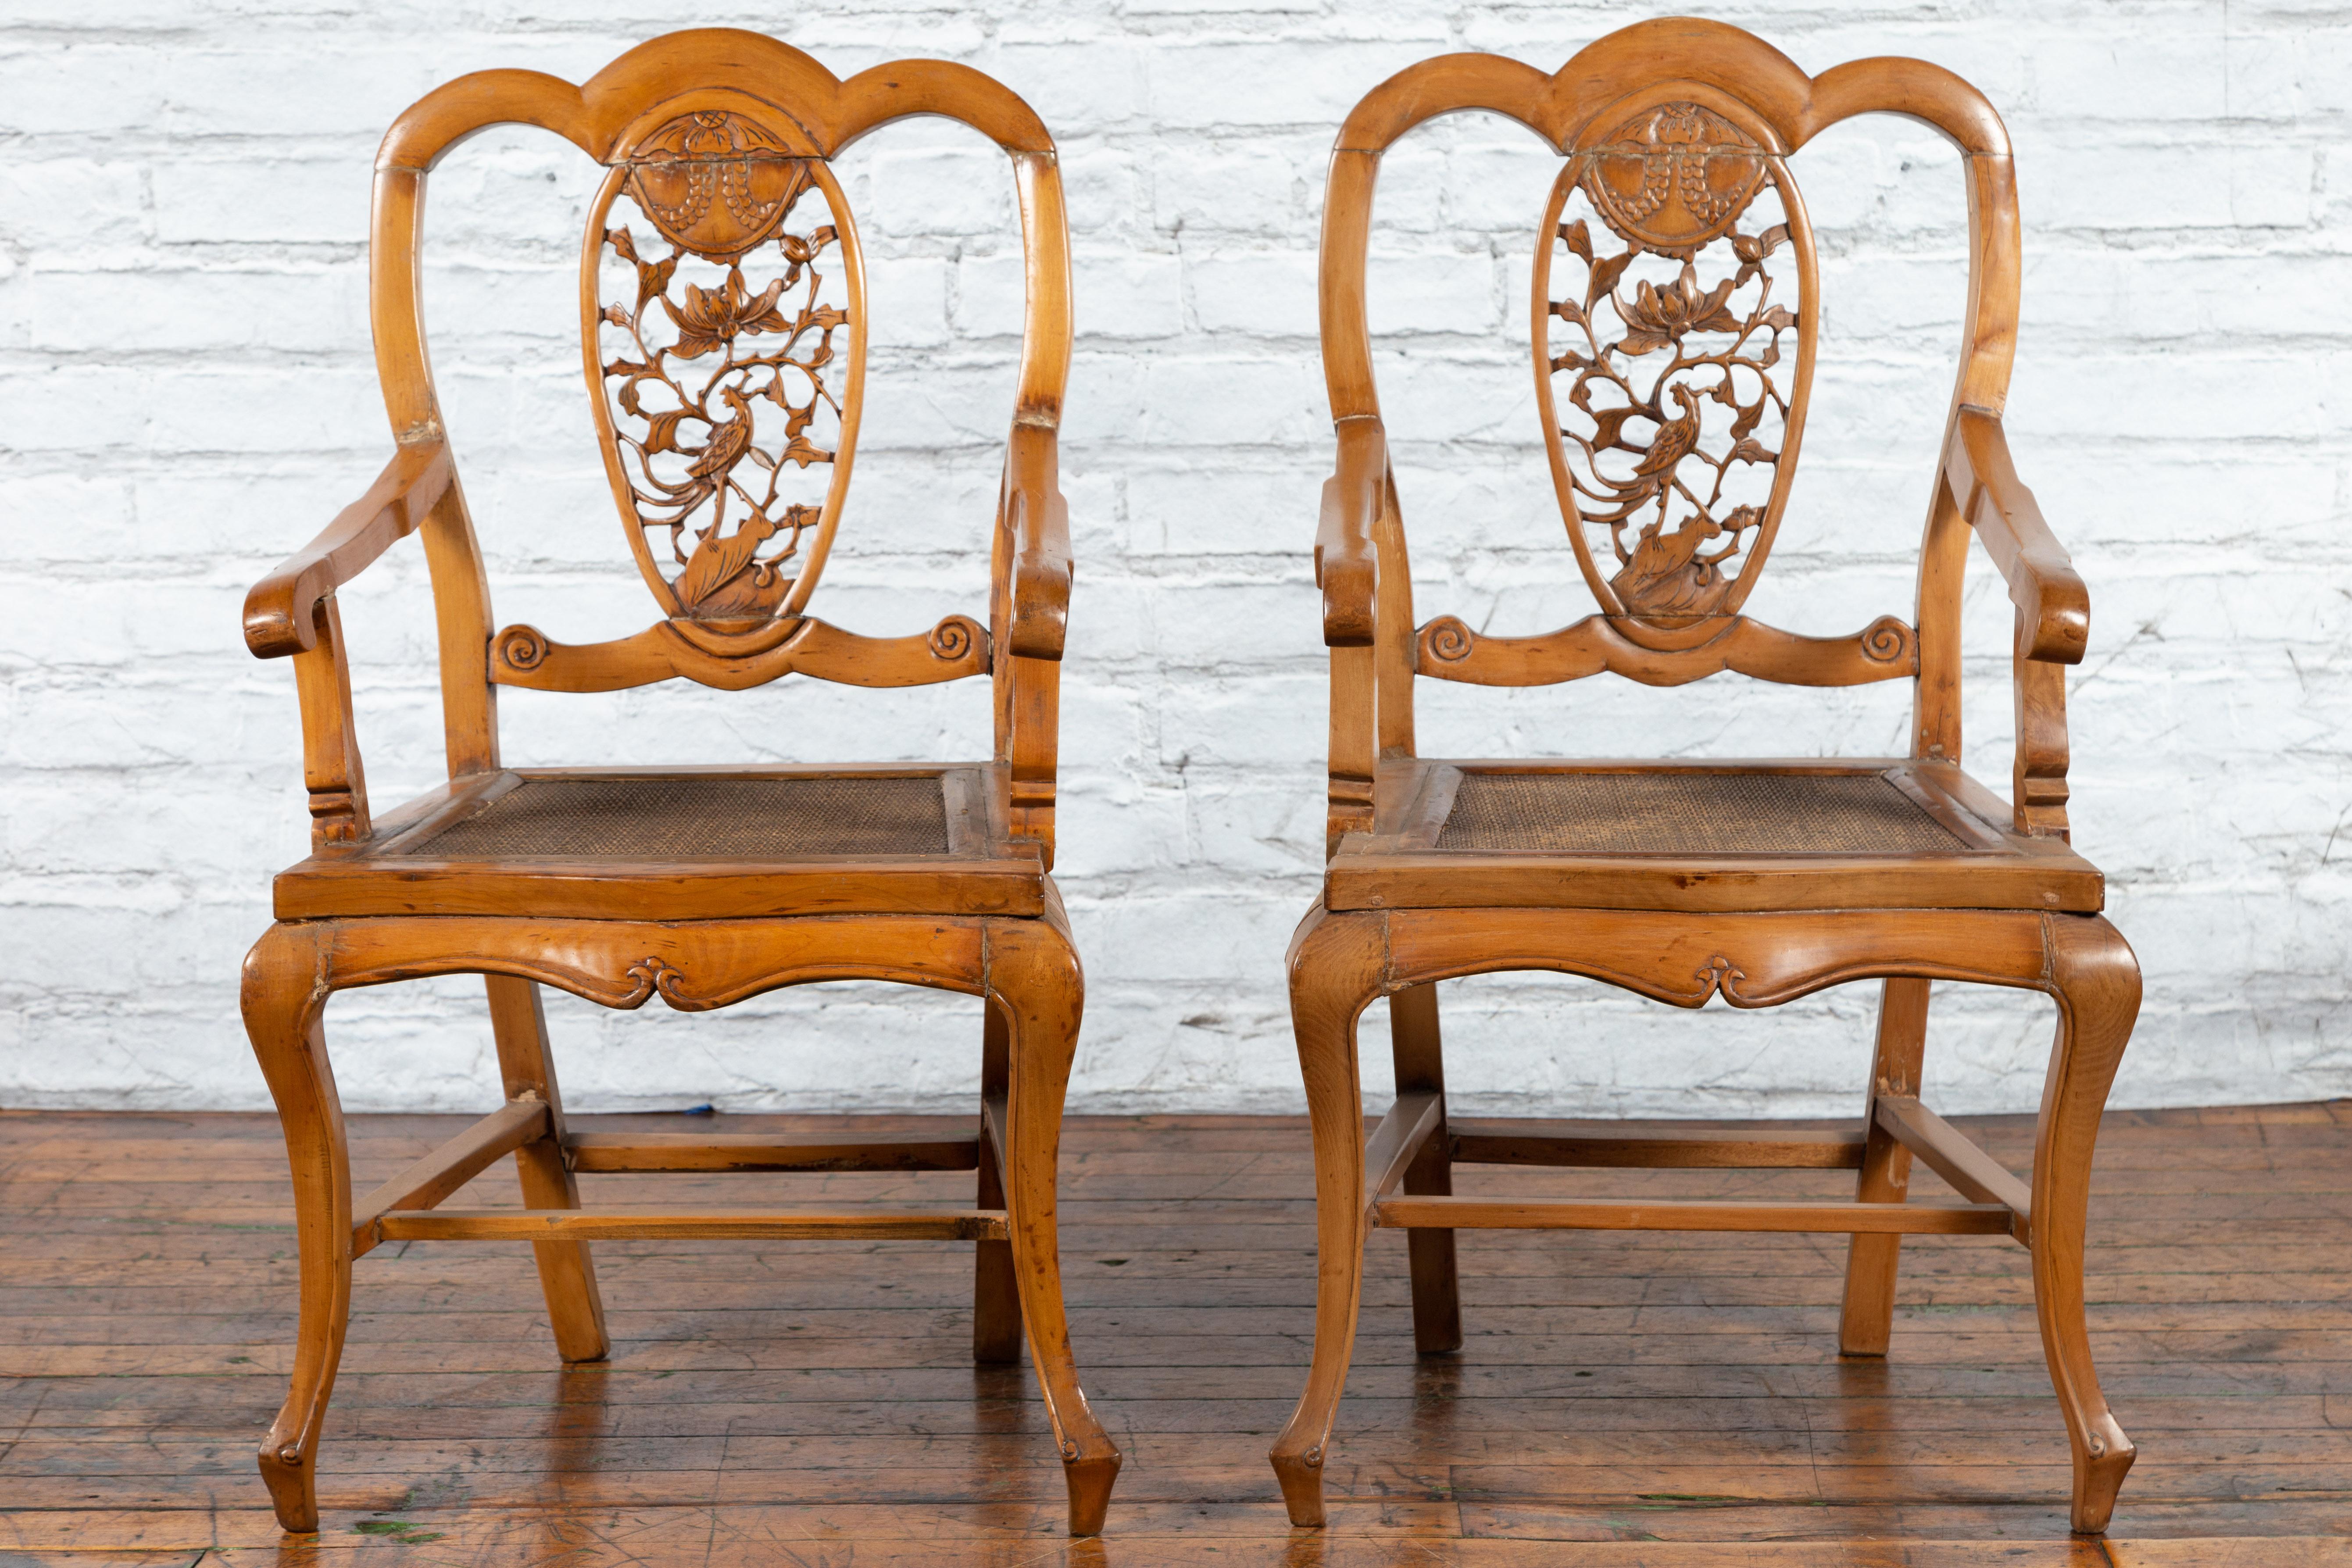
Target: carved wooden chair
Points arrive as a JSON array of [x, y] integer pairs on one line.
[[723, 314], [1675, 317]]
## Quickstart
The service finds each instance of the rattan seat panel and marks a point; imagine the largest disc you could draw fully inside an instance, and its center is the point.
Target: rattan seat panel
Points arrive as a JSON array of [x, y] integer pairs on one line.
[[693, 818], [1690, 814]]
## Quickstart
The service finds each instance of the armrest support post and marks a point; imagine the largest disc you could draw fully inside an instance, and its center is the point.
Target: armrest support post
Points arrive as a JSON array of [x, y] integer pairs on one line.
[[330, 745], [2054, 610], [2038, 772], [1034, 572], [293, 612]]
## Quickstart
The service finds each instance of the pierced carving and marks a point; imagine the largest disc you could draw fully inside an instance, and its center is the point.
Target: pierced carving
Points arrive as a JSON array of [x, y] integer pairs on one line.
[[723, 412], [1679, 408]]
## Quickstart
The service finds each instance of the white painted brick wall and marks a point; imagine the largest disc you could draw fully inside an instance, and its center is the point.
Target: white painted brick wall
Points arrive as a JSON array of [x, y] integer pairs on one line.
[[186, 395]]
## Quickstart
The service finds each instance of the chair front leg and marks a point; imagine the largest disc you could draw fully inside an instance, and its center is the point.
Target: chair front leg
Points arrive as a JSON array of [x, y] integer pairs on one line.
[[567, 1274], [284, 994], [1336, 962], [1033, 973], [2096, 982], [1867, 1320]]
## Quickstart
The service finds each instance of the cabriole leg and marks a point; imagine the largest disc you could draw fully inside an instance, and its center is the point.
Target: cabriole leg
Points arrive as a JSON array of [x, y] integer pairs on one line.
[[1420, 1065], [1032, 974], [995, 1288], [284, 994], [567, 1275], [1335, 968], [2096, 981], [1867, 1320]]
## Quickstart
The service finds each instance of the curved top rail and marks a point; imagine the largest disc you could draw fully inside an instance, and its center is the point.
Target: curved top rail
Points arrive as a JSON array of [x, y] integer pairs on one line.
[[1566, 106], [593, 116], [1675, 48]]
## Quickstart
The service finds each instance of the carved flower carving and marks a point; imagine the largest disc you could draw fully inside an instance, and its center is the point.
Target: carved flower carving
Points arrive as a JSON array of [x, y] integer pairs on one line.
[[711, 316], [1656, 317]]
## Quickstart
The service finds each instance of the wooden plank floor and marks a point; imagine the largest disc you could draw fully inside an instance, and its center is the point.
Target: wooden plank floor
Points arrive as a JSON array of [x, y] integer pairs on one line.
[[1662, 1400]]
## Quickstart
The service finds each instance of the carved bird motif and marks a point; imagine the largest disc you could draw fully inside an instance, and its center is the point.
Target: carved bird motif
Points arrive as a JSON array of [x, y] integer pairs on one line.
[[1677, 439], [715, 565], [729, 438], [719, 560]]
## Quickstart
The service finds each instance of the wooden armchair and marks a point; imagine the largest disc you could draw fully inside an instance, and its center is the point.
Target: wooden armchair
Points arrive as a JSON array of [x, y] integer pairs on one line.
[[723, 314], [1674, 316]]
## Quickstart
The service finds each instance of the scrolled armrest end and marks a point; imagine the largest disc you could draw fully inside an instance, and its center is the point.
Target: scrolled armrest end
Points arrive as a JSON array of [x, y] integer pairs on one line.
[[272, 628]]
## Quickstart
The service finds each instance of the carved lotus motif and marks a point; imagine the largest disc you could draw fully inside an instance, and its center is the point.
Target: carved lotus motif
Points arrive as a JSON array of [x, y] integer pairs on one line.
[[711, 316], [1659, 316]]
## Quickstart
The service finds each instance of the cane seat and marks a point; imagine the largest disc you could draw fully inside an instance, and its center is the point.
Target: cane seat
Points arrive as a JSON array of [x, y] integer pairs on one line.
[[687, 817], [1694, 812]]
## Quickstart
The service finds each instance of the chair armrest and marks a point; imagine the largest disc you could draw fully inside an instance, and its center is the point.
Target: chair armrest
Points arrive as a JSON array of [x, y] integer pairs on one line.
[[1346, 567], [280, 612], [1039, 521], [2054, 607]]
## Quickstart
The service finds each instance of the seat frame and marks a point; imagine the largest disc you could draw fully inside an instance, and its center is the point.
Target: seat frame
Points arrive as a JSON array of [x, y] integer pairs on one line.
[[984, 918], [1397, 916]]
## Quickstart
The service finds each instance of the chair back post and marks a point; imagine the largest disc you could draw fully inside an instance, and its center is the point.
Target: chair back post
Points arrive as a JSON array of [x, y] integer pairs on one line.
[[1027, 689], [1936, 98], [461, 588]]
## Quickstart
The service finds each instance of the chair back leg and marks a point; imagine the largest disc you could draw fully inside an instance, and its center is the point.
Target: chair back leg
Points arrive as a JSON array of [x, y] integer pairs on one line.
[[995, 1289], [567, 1274], [1420, 1065], [1867, 1320]]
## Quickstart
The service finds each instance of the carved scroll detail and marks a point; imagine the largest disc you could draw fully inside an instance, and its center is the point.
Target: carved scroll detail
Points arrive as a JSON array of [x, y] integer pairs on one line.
[[1720, 974], [724, 409], [524, 656], [1679, 407], [1886, 649], [651, 975]]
